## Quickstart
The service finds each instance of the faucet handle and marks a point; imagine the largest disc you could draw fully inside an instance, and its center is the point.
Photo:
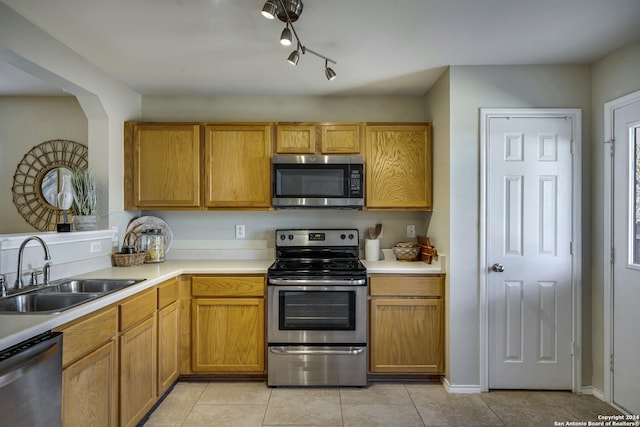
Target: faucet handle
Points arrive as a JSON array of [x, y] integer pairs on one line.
[[3, 285], [34, 276]]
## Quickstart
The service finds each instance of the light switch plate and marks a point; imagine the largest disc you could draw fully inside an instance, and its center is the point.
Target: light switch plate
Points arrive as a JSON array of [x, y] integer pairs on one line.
[[411, 231]]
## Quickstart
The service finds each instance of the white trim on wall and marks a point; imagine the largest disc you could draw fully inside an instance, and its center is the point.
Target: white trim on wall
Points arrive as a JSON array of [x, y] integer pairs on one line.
[[609, 110], [576, 281]]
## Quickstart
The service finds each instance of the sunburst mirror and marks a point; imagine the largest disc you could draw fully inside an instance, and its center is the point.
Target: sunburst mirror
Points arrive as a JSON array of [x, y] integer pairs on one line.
[[38, 178]]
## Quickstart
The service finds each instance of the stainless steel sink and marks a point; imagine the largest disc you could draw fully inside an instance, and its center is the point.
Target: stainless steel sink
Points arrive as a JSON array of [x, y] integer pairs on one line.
[[93, 286], [36, 302]]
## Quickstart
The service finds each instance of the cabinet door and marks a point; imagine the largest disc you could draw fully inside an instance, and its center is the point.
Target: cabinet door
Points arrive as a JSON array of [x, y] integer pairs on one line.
[[341, 139], [406, 335], [296, 139], [167, 347], [399, 167], [162, 165], [238, 166], [227, 335], [89, 389], [138, 375]]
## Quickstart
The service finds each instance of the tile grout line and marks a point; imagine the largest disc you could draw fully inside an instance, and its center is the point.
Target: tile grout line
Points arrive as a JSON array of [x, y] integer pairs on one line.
[[194, 405]]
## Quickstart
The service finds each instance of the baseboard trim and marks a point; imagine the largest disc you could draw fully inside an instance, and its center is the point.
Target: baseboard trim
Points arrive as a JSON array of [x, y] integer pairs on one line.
[[460, 389], [591, 390]]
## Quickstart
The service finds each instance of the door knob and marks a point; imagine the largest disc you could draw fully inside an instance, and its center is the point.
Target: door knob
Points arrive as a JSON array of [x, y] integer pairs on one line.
[[498, 268]]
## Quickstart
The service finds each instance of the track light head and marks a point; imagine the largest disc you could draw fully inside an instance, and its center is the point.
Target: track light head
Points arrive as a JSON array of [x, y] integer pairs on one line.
[[328, 71], [269, 9], [294, 57], [286, 38]]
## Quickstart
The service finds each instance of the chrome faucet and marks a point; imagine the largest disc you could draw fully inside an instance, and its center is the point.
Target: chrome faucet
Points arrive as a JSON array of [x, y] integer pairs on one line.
[[47, 257]]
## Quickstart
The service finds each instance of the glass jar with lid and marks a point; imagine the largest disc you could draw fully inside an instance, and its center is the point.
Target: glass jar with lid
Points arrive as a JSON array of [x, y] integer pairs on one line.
[[153, 242]]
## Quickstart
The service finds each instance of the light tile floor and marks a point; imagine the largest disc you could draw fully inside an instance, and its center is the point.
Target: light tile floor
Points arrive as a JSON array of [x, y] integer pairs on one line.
[[248, 404]]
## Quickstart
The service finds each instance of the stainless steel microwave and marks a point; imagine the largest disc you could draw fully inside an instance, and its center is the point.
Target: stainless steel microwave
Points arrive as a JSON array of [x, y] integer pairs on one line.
[[318, 181]]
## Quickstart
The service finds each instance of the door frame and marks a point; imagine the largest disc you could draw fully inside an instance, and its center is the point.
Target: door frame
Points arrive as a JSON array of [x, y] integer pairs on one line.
[[575, 115], [607, 259]]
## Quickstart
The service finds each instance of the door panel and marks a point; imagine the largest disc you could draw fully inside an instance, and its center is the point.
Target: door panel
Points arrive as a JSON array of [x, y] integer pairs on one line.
[[626, 267], [529, 233]]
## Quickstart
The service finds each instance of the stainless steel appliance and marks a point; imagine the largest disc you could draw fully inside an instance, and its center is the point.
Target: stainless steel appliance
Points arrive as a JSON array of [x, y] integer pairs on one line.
[[31, 382], [318, 181], [317, 310]]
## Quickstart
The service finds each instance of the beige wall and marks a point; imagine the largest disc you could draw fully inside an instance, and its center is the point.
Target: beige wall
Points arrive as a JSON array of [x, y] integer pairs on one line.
[[24, 123], [438, 111], [612, 77]]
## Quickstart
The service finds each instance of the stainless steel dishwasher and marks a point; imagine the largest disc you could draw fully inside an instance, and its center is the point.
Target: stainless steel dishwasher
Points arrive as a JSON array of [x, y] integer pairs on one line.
[[31, 382]]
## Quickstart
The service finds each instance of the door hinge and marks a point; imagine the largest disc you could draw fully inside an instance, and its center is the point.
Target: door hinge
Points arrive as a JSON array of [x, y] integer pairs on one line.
[[573, 348], [611, 362], [613, 255], [571, 248], [573, 146]]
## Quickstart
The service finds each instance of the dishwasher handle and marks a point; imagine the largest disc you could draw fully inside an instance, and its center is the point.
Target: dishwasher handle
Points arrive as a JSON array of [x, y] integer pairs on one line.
[[22, 368], [349, 351]]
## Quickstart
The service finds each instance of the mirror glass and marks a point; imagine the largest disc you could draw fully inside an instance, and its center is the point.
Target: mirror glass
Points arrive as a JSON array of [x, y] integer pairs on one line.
[[51, 184]]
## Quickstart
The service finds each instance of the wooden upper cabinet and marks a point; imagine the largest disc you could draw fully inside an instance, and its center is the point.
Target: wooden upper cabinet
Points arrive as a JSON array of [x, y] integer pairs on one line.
[[341, 139], [319, 138], [162, 165], [398, 166], [238, 166], [295, 139]]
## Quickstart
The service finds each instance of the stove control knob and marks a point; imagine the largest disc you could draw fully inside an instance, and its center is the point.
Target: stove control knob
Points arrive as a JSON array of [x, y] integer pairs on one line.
[[290, 236], [350, 236], [282, 237], [342, 236]]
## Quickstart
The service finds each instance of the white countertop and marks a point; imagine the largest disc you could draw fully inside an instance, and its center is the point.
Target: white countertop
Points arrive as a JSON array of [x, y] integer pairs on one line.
[[390, 265], [15, 328]]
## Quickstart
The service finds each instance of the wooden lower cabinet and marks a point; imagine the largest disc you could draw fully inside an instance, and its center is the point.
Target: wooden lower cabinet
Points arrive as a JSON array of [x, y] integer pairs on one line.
[[227, 324], [168, 325], [90, 370], [89, 388], [227, 335], [138, 390], [406, 324]]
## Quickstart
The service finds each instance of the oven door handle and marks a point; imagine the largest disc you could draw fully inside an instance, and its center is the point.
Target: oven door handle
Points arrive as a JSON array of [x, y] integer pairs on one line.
[[357, 282], [349, 351]]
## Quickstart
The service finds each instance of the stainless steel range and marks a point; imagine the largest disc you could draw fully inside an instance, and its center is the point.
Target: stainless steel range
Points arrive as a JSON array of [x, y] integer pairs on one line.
[[317, 310]]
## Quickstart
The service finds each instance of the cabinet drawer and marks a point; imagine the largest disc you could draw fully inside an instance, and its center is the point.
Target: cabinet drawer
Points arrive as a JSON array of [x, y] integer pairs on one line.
[[406, 285], [87, 334], [137, 308], [239, 286], [167, 293]]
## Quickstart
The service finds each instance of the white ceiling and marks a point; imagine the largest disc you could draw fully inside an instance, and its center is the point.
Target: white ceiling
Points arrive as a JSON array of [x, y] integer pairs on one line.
[[382, 47]]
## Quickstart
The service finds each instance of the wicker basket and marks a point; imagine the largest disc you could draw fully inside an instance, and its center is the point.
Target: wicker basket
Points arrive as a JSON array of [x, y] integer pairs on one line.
[[131, 239], [406, 253]]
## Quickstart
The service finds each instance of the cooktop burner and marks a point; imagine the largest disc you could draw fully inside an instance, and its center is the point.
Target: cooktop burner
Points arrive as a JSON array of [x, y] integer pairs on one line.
[[324, 267], [317, 252]]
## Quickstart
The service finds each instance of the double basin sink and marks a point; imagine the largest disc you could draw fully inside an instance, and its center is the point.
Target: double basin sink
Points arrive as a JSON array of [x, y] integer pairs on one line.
[[61, 295]]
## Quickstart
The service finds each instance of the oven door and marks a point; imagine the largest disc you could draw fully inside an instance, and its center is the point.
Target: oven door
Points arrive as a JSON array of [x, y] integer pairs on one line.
[[316, 314]]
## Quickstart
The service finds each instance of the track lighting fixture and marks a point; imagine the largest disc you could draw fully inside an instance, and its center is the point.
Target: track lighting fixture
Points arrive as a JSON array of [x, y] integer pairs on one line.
[[288, 11], [294, 56], [269, 9], [286, 38], [328, 71]]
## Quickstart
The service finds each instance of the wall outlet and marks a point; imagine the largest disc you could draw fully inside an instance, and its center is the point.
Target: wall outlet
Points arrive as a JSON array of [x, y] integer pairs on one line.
[[239, 231], [411, 231], [95, 247]]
